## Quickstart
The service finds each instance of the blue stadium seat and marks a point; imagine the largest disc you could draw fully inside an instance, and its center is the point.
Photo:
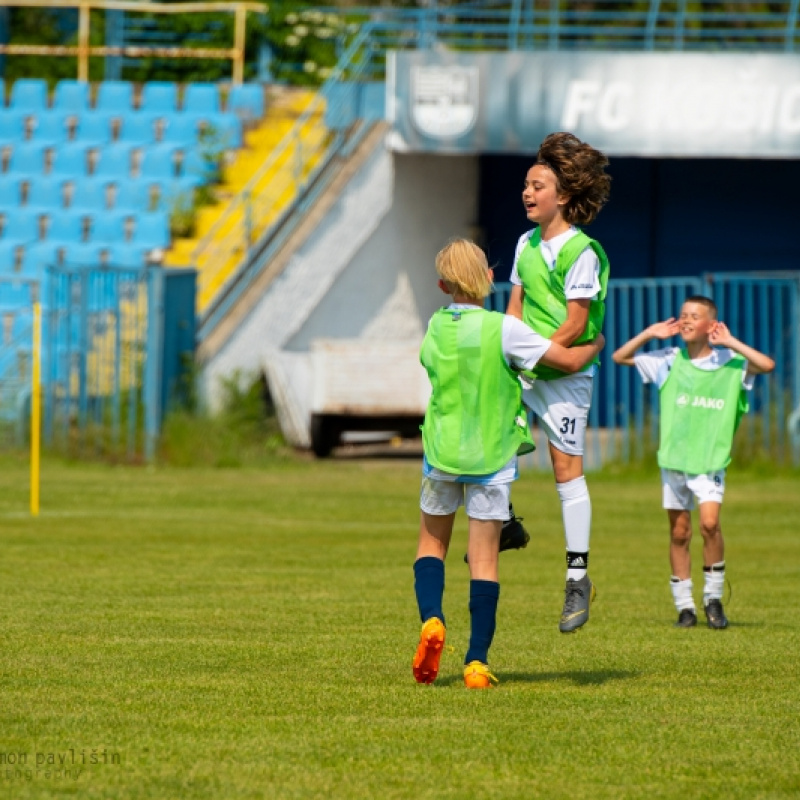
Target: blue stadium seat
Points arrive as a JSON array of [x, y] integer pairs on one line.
[[159, 98], [152, 230], [128, 256], [50, 129], [159, 162], [27, 158], [115, 97], [196, 167], [247, 101], [71, 160], [91, 194], [84, 255], [115, 161], [11, 190], [182, 130], [66, 226], [12, 126], [21, 225], [94, 128], [29, 94], [138, 128], [71, 97], [225, 131], [46, 192], [41, 255], [11, 256], [201, 99], [14, 294], [109, 227], [133, 195]]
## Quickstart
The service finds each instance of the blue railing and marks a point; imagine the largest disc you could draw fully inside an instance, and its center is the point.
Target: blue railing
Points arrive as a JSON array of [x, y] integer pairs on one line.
[[104, 376], [762, 310]]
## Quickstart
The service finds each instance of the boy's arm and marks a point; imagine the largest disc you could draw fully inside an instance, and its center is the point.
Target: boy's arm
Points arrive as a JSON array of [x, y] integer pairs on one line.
[[514, 308], [660, 330], [575, 323], [575, 358], [757, 362]]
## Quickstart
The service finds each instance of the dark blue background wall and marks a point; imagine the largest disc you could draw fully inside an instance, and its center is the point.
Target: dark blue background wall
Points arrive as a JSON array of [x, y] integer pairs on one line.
[[666, 217]]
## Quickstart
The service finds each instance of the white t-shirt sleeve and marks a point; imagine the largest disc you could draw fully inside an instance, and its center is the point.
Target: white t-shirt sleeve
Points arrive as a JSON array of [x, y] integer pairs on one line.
[[521, 244], [653, 367], [583, 278], [522, 347]]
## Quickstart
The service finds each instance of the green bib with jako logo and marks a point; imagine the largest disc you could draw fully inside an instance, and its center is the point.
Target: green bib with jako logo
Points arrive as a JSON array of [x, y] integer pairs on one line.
[[700, 412]]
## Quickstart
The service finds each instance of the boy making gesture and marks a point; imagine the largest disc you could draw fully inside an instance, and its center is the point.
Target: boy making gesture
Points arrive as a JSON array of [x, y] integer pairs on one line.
[[702, 397]]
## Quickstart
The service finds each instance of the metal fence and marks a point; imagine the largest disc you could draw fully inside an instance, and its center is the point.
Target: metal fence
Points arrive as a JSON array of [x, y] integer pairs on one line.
[[762, 310], [102, 359]]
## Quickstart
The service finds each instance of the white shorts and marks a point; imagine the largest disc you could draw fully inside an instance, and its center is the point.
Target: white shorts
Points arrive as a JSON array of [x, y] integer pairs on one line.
[[562, 407], [680, 489], [480, 501]]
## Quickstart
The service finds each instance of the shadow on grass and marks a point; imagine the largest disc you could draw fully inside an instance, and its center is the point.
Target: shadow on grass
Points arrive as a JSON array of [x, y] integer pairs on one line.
[[576, 677]]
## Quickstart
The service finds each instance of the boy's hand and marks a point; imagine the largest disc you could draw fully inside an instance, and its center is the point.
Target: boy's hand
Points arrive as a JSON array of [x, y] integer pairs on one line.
[[600, 341], [720, 335], [663, 330]]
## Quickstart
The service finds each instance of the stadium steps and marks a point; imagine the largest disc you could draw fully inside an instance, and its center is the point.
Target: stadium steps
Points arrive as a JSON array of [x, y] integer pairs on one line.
[[217, 336], [284, 108]]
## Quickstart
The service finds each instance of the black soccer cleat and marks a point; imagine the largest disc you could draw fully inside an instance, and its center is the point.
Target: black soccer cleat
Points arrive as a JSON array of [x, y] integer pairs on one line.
[[715, 616], [513, 535], [686, 619]]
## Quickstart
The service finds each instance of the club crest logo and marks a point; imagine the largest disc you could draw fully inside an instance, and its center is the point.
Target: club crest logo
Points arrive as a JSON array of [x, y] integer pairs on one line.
[[444, 100], [682, 400]]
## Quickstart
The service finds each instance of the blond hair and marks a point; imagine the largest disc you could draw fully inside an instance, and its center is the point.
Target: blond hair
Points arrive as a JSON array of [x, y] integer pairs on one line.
[[462, 265]]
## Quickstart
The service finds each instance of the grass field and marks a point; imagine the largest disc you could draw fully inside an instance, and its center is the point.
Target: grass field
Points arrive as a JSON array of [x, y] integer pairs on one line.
[[248, 633]]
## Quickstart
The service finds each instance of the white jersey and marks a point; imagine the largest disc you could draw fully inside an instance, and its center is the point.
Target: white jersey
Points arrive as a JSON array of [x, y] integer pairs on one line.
[[654, 367], [583, 279], [522, 348]]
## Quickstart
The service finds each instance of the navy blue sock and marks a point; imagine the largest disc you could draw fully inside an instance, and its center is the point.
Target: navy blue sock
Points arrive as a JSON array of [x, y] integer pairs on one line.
[[483, 597], [429, 587]]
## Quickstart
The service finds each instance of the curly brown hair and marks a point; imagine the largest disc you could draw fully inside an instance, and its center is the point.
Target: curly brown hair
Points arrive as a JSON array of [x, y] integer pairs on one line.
[[579, 170]]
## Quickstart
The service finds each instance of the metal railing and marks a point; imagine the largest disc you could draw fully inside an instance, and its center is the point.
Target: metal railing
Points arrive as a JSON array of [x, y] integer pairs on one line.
[[83, 49], [268, 201], [762, 310]]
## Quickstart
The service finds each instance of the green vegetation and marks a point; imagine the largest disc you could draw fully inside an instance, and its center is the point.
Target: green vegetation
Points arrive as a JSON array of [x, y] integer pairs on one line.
[[248, 633]]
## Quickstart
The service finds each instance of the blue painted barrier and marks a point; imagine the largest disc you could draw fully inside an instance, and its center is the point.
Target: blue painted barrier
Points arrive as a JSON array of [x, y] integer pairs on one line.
[[762, 310]]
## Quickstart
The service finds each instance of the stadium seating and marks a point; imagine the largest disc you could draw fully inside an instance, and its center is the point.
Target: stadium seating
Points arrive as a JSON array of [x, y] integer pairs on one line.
[[50, 129], [11, 190], [71, 160], [247, 101], [91, 194], [115, 97], [138, 128], [71, 97], [46, 192], [115, 161], [27, 158], [94, 129], [29, 95], [159, 98], [12, 126]]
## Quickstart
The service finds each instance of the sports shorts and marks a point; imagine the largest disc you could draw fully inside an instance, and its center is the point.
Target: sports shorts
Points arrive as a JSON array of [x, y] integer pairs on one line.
[[562, 408], [480, 501], [680, 489]]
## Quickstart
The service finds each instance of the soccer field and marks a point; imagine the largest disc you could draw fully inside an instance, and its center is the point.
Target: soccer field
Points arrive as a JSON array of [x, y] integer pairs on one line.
[[248, 633]]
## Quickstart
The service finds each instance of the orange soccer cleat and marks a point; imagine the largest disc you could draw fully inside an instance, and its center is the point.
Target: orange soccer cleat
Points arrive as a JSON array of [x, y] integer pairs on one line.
[[429, 651], [477, 676]]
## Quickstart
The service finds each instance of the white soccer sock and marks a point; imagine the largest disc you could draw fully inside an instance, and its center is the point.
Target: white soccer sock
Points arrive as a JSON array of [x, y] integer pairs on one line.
[[576, 511], [682, 593], [714, 580]]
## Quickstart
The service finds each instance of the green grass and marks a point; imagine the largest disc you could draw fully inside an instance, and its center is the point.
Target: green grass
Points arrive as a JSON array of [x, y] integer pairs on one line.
[[248, 633]]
